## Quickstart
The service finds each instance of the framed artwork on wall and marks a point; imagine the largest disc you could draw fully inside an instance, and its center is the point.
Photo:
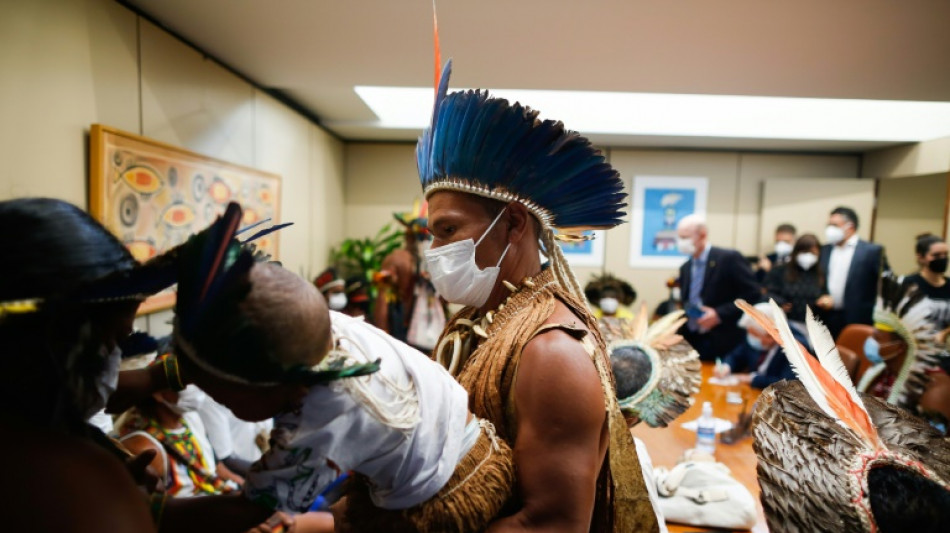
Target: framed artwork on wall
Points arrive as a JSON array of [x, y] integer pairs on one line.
[[659, 203], [588, 253], [153, 196]]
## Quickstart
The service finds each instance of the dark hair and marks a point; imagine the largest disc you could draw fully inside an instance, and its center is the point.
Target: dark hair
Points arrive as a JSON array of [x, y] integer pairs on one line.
[[902, 500], [803, 244], [52, 356], [786, 228], [924, 242], [848, 214], [632, 368]]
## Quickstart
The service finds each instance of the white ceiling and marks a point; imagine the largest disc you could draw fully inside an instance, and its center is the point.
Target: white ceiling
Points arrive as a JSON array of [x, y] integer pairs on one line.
[[316, 51]]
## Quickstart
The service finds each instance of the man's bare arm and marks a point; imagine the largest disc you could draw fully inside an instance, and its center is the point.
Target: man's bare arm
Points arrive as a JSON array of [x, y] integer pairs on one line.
[[561, 438]]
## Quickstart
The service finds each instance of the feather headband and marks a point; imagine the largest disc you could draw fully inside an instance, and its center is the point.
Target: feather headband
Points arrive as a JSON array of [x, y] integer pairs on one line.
[[674, 368], [489, 147]]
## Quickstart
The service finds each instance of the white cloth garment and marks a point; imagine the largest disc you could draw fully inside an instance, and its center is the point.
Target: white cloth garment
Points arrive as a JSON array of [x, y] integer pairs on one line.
[[228, 434], [838, 266], [646, 466], [407, 453]]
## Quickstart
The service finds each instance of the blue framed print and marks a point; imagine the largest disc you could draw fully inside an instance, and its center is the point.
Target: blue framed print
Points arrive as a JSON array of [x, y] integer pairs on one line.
[[659, 203]]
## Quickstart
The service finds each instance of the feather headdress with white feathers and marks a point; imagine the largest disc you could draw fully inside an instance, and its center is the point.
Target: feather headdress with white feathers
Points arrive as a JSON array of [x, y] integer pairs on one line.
[[817, 441], [906, 312], [664, 391]]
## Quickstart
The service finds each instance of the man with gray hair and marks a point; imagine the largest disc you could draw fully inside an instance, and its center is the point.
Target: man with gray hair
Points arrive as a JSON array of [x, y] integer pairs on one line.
[[758, 360], [711, 280]]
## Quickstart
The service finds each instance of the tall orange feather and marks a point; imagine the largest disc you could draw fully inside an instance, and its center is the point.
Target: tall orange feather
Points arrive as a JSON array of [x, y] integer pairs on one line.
[[438, 51]]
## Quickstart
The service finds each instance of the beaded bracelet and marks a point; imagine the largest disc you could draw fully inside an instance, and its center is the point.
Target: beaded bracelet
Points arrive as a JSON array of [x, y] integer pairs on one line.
[[172, 373]]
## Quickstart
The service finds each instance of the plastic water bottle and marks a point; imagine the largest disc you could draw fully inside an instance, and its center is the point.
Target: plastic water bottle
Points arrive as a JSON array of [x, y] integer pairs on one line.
[[706, 430]]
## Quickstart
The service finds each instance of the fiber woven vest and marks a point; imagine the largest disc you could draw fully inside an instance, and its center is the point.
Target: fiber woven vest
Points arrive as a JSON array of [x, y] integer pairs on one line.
[[488, 374]]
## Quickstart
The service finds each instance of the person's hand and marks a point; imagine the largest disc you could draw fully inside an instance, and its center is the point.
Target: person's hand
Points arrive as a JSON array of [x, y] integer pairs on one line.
[[338, 509], [825, 302], [764, 264], [941, 336], [709, 320], [139, 466], [277, 523], [722, 370], [744, 378]]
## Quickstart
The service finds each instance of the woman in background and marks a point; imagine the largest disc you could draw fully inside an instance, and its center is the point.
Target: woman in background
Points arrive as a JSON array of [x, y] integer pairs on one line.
[[800, 282], [931, 254]]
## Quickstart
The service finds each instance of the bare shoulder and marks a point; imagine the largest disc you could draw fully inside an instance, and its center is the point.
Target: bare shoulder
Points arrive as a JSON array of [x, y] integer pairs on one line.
[[89, 489], [556, 375]]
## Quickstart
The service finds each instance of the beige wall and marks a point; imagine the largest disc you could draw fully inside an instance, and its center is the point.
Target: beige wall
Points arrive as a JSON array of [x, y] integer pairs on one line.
[[917, 159], [67, 65], [906, 208], [381, 179]]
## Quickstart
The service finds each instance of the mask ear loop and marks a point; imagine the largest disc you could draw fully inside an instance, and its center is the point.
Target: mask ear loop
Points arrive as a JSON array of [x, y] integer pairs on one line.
[[492, 225]]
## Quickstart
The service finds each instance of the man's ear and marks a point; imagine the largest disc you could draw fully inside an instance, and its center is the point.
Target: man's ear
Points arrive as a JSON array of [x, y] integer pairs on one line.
[[519, 223]]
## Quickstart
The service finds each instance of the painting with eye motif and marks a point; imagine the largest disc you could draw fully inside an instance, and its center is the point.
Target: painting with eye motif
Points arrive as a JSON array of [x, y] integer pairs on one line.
[[153, 196]]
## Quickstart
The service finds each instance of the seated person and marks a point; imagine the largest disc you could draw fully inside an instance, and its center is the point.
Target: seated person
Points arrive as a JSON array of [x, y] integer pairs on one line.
[[260, 340], [757, 361], [903, 347], [168, 424], [831, 459]]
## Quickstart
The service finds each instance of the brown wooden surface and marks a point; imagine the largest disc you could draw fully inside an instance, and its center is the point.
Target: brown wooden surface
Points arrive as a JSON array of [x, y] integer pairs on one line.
[[666, 445]]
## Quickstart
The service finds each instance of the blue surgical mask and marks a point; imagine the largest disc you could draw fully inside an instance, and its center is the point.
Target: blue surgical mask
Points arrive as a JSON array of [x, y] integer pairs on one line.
[[754, 342], [872, 350]]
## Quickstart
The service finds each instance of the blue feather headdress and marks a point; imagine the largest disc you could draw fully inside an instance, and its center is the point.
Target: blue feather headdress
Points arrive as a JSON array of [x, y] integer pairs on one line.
[[211, 330], [486, 146]]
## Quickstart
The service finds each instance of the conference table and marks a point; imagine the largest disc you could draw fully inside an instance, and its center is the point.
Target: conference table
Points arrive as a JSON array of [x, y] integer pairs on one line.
[[666, 445]]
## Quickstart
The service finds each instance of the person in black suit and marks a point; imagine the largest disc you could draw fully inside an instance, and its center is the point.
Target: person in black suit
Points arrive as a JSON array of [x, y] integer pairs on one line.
[[758, 360], [711, 280], [853, 268], [784, 243]]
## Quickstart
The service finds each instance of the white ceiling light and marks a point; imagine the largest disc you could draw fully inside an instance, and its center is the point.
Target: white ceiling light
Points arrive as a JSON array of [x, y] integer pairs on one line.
[[690, 115]]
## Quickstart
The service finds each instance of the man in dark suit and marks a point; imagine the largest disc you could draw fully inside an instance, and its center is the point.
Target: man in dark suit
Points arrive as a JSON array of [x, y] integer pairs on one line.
[[853, 270], [711, 280], [784, 244], [758, 360]]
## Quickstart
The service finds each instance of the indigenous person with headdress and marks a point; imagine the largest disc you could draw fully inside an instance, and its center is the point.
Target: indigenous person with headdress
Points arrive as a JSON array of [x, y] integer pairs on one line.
[[831, 459], [499, 181], [333, 289], [611, 296], [903, 348], [657, 372], [402, 284], [68, 293], [345, 397]]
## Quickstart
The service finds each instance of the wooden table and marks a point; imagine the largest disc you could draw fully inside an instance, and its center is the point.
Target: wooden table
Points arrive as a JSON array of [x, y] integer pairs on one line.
[[666, 445]]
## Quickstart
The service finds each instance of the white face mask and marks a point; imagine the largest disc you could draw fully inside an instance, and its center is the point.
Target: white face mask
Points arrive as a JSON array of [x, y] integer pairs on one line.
[[675, 293], [685, 246], [191, 398], [608, 305], [834, 234], [783, 248], [337, 301], [106, 382], [456, 276], [806, 260]]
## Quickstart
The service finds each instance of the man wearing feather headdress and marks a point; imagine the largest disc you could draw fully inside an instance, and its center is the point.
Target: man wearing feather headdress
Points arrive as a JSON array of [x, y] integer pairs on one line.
[[344, 395], [831, 459], [526, 348]]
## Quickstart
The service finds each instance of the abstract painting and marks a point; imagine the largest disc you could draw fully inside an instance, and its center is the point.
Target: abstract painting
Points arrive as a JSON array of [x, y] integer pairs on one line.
[[659, 203], [153, 196]]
